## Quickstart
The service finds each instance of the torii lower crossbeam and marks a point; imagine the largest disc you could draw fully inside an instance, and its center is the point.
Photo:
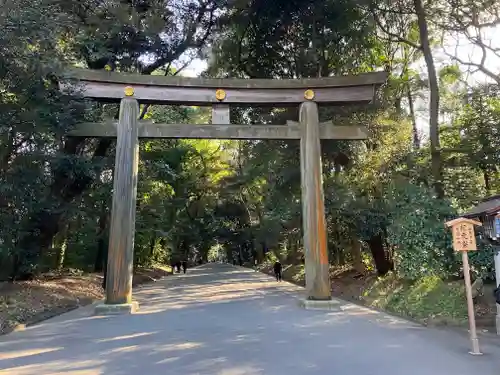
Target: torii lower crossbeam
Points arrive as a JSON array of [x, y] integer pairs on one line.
[[219, 131]]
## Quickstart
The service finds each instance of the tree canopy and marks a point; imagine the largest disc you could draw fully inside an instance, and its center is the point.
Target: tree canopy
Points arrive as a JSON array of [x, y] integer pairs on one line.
[[386, 198]]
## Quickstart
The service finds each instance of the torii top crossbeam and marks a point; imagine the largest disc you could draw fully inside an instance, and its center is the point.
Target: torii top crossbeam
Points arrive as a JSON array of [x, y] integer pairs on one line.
[[109, 86]]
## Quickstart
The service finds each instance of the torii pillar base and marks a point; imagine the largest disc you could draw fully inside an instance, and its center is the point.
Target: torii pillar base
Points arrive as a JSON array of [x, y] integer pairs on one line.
[[330, 304], [118, 309], [497, 320]]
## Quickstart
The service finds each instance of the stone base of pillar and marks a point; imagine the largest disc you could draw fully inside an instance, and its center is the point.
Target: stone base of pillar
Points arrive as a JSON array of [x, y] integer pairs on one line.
[[497, 321], [331, 304], [121, 309]]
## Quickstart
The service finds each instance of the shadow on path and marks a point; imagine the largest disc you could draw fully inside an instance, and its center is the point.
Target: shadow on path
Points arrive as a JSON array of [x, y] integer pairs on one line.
[[219, 319]]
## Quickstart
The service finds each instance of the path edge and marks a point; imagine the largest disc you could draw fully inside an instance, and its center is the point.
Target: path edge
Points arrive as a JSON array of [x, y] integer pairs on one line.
[[81, 303]]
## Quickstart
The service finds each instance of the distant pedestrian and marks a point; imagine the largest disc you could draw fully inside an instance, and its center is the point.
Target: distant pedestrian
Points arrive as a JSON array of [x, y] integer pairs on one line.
[[184, 266], [277, 270]]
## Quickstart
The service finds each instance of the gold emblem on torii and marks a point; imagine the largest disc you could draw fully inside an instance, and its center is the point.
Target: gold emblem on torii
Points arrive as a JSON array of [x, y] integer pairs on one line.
[[129, 91], [309, 94], [220, 94]]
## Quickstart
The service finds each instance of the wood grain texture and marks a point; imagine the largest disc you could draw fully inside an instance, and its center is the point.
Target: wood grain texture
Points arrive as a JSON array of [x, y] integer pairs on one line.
[[243, 96], [220, 131], [122, 228], [313, 209], [375, 78]]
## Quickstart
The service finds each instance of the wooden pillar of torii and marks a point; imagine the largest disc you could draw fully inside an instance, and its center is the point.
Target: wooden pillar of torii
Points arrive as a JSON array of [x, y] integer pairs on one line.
[[131, 89]]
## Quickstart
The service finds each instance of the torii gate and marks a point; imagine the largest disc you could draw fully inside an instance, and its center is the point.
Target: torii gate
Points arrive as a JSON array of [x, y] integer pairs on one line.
[[130, 89]]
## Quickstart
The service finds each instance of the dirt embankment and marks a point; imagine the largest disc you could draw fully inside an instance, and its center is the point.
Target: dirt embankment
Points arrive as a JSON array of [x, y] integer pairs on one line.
[[29, 302]]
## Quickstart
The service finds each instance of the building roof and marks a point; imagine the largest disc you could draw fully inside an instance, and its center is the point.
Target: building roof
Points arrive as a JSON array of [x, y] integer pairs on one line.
[[488, 206]]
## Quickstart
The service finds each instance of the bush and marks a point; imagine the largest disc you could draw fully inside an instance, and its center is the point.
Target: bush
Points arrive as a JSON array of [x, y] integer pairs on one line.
[[428, 300], [482, 261], [422, 245]]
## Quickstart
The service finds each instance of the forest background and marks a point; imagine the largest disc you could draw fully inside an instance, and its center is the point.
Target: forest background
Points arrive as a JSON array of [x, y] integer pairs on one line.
[[431, 155]]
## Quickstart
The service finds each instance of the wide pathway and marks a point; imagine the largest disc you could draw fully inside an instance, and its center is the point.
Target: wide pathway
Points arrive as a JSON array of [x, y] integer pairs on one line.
[[219, 319]]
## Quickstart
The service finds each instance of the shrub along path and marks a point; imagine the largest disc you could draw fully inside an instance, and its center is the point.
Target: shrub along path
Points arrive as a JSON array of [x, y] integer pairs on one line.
[[430, 300]]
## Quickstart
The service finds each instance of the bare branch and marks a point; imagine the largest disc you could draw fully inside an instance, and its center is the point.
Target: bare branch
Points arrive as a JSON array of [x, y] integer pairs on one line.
[[395, 37], [479, 66], [190, 40]]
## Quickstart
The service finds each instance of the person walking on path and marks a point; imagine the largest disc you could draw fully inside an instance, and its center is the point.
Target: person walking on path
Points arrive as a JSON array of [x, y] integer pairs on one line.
[[277, 270], [178, 266], [184, 266]]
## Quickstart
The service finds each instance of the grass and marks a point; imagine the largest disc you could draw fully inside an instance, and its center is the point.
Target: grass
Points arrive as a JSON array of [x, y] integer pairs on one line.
[[296, 274], [163, 267], [429, 300]]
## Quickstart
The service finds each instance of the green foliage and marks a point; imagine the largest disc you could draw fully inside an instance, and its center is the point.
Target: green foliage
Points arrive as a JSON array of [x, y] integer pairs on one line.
[[428, 300], [474, 135], [481, 261], [239, 200], [450, 74], [329, 36], [55, 192], [417, 231], [378, 188], [33, 116]]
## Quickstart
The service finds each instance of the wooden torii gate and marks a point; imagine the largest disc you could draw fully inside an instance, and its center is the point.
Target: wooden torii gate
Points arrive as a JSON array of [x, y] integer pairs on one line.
[[130, 89]]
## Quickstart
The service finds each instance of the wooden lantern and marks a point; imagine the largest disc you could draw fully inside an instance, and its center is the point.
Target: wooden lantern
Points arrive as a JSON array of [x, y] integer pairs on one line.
[[464, 238]]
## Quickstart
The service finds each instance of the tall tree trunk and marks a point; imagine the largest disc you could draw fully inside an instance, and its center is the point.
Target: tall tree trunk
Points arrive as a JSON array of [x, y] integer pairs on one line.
[[260, 253], [102, 241], [152, 245], [8, 150], [357, 259], [381, 258], [416, 138], [436, 162], [62, 246], [487, 181]]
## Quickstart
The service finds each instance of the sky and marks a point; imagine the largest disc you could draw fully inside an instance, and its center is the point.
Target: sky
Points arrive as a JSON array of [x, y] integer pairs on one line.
[[468, 52], [458, 46], [463, 49], [194, 69]]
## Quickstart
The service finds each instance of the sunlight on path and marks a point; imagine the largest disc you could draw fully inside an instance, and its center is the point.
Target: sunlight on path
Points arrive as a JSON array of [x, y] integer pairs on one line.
[[224, 320]]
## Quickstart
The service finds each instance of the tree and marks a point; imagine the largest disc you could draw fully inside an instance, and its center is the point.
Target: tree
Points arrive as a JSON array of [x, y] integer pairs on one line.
[[293, 40], [34, 114], [132, 30], [392, 18], [472, 20]]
